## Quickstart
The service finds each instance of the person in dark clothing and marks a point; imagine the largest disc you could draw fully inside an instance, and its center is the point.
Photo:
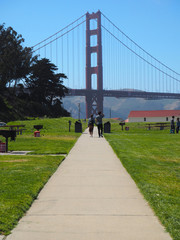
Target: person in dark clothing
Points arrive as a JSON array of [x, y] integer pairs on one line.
[[177, 125], [172, 125], [91, 122], [99, 124]]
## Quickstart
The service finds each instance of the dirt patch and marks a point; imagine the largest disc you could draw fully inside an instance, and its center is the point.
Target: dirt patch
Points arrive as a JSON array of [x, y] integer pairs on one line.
[[64, 138], [16, 160]]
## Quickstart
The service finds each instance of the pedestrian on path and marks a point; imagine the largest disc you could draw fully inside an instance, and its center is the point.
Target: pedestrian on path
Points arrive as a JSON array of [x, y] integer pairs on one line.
[[177, 125], [91, 123], [172, 125], [99, 124]]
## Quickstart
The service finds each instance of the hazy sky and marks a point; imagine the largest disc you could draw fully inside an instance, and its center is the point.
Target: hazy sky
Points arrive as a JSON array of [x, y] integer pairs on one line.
[[153, 24]]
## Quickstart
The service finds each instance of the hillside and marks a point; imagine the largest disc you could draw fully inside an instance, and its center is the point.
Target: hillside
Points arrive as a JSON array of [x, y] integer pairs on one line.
[[119, 107]]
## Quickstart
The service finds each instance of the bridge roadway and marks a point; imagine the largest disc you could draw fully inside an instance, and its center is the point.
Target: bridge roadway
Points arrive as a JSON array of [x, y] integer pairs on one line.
[[90, 197], [125, 94]]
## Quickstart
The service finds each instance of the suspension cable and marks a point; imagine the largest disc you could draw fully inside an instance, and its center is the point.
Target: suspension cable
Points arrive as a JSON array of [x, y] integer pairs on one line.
[[59, 36], [139, 46], [140, 56], [58, 31]]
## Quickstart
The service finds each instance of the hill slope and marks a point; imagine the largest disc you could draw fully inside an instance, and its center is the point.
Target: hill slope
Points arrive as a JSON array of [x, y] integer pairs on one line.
[[119, 107]]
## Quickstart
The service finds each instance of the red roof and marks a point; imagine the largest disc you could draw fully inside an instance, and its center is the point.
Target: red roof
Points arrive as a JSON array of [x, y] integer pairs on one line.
[[155, 113]]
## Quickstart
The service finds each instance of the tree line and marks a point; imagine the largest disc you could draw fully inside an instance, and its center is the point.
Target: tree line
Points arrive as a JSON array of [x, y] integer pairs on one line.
[[28, 87]]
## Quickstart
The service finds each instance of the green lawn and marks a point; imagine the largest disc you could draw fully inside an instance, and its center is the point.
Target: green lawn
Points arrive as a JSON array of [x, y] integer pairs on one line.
[[152, 158], [55, 136], [22, 177]]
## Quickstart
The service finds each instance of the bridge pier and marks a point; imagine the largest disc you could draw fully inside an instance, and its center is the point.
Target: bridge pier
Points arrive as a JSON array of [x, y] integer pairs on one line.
[[94, 102], [94, 99]]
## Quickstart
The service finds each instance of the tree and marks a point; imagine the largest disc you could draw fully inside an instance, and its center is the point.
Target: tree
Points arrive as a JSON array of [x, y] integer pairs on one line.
[[45, 86], [15, 60]]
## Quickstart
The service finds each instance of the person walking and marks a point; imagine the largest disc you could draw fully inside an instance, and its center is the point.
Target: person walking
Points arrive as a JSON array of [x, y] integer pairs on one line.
[[91, 122], [177, 125], [172, 125], [99, 124]]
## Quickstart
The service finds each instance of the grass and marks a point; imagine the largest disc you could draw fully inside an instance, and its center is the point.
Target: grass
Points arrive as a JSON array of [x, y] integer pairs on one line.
[[152, 159], [55, 136], [22, 177]]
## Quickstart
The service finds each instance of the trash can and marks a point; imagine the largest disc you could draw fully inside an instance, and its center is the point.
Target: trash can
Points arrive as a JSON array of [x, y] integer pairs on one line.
[[78, 127], [2, 147], [37, 133], [107, 127]]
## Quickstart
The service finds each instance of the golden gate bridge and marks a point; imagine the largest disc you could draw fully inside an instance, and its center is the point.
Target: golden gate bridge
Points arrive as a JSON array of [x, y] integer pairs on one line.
[[102, 61]]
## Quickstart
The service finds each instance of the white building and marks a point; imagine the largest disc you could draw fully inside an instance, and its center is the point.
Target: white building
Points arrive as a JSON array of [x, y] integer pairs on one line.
[[153, 116]]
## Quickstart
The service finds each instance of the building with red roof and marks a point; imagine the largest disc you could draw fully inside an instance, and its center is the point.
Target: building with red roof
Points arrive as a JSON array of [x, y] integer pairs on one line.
[[153, 116]]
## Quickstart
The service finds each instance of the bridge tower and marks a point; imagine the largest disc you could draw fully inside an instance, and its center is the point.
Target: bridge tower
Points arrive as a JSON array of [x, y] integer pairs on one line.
[[94, 98]]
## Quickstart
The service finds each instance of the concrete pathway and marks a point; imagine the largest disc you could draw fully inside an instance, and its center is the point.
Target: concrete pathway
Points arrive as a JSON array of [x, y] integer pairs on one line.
[[90, 197]]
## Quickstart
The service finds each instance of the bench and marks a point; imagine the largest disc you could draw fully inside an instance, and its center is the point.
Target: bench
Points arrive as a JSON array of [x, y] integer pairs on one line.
[[160, 125]]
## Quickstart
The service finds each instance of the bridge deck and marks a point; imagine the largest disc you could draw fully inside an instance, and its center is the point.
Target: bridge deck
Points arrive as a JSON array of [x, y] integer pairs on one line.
[[126, 94]]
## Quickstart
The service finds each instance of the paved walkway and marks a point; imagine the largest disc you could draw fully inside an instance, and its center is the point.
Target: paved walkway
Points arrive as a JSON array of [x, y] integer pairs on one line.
[[90, 197]]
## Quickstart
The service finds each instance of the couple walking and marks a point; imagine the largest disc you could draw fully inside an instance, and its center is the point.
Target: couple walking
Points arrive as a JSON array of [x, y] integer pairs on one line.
[[173, 125], [98, 122]]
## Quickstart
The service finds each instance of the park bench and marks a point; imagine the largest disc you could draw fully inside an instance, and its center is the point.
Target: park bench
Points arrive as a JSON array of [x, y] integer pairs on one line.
[[17, 128], [160, 125]]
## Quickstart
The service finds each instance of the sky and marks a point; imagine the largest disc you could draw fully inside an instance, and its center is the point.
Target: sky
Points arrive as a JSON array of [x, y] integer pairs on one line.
[[152, 24]]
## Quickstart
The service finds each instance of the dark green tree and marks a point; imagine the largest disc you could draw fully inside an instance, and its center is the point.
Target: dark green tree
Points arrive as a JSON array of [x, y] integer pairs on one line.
[[46, 87], [15, 60]]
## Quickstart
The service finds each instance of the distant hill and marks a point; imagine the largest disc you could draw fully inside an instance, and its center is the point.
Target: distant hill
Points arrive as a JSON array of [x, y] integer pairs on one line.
[[119, 107]]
